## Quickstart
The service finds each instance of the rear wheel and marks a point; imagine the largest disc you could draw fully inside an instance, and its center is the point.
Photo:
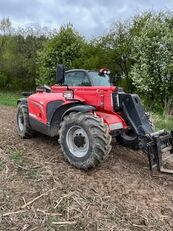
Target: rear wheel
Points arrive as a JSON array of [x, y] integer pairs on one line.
[[22, 118], [128, 139], [84, 139]]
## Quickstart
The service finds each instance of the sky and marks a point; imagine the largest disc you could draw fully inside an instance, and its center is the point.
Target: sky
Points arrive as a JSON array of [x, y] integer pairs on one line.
[[89, 17]]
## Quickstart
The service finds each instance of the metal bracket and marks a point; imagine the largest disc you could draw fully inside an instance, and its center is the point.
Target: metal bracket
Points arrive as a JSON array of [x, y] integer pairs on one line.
[[159, 146]]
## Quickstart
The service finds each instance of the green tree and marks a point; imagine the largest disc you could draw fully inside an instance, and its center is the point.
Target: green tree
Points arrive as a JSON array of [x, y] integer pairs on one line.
[[117, 44], [64, 47], [152, 74], [93, 55], [5, 30], [18, 50]]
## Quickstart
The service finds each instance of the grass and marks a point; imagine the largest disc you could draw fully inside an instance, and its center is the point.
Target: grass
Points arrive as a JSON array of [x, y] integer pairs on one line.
[[22, 164], [9, 98], [162, 122], [16, 156]]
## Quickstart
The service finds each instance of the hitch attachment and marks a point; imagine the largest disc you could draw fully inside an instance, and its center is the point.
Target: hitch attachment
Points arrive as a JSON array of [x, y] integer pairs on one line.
[[159, 149]]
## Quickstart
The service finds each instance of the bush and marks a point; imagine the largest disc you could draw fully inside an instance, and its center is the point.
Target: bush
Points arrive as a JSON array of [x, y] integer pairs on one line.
[[3, 81]]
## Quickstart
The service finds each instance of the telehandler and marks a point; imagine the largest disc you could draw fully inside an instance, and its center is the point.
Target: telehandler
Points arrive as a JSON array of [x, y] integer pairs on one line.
[[85, 111]]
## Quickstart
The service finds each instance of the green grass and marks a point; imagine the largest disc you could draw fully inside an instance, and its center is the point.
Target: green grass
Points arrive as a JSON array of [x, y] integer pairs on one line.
[[16, 156], [162, 122], [9, 98]]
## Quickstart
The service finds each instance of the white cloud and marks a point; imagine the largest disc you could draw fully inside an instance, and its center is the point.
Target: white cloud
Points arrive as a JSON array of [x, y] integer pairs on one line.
[[88, 17]]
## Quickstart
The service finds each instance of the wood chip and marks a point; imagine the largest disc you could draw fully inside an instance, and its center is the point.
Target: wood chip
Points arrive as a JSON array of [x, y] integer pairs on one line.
[[36, 198], [64, 222]]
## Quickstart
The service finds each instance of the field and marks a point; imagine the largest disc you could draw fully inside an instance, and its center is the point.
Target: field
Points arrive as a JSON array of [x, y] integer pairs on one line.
[[40, 191], [9, 98]]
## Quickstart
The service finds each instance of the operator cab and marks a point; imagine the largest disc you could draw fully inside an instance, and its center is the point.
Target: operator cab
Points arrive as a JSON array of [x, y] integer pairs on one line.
[[82, 77]]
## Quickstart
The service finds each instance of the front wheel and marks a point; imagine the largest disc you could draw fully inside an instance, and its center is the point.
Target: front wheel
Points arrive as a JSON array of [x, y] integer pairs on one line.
[[84, 139]]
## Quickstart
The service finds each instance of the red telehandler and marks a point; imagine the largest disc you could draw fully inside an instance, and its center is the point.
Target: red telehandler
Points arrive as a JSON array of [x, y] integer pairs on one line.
[[85, 111]]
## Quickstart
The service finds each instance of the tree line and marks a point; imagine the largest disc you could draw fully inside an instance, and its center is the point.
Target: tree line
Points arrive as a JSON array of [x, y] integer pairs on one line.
[[138, 51]]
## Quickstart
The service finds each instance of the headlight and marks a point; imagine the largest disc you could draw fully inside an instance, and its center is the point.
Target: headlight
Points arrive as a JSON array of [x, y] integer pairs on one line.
[[68, 95]]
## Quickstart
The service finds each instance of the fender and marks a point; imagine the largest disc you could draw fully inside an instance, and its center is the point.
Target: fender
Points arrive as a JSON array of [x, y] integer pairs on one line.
[[63, 110], [22, 100], [79, 108], [45, 113], [113, 120]]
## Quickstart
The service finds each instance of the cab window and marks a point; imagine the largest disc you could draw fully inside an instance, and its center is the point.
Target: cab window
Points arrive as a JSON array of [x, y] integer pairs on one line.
[[77, 78], [99, 80]]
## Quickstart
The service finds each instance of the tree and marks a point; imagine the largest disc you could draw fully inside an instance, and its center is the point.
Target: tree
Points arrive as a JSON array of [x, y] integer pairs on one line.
[[18, 49], [5, 30], [118, 45], [93, 55], [64, 48], [152, 74], [5, 26]]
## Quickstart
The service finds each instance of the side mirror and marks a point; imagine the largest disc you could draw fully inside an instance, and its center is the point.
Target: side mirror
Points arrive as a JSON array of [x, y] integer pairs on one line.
[[60, 70]]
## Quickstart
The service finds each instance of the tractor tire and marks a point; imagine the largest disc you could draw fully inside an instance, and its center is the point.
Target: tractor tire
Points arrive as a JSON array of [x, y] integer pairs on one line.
[[84, 139], [23, 125], [128, 140]]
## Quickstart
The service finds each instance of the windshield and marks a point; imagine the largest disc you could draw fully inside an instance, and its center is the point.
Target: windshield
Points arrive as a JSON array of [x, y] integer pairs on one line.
[[99, 80]]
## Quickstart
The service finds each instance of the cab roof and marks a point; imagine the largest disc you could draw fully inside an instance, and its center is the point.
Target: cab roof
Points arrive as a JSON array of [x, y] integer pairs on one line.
[[80, 70]]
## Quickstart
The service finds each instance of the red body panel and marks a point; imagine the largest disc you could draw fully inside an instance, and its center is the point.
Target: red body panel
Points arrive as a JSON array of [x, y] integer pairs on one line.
[[99, 97], [37, 104], [113, 120]]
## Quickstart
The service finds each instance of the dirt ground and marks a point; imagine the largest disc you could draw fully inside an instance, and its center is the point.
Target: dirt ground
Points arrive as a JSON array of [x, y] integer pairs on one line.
[[40, 191]]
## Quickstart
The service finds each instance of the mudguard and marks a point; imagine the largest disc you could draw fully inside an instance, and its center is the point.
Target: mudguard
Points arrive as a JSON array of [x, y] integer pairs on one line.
[[63, 110], [113, 120], [79, 108]]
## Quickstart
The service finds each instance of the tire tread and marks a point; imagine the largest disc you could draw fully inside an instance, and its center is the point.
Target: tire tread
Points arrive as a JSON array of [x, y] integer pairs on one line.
[[99, 132]]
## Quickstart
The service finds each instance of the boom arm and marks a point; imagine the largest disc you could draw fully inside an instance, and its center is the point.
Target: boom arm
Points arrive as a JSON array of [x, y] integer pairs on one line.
[[157, 145]]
